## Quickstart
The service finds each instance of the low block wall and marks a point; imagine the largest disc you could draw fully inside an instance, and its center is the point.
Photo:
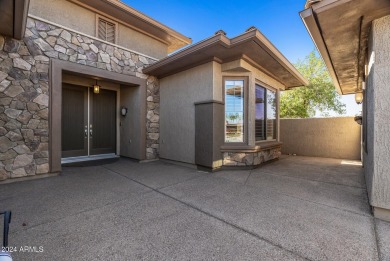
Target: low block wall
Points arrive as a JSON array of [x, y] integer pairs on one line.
[[321, 137]]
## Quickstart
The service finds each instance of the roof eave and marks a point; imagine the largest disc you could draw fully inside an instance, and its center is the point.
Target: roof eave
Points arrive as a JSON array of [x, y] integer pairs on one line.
[[148, 19], [184, 52], [282, 60], [311, 24], [255, 35], [146, 24]]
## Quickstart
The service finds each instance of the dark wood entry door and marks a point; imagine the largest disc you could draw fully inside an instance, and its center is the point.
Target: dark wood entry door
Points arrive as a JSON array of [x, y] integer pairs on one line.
[[103, 122], [88, 131], [74, 121]]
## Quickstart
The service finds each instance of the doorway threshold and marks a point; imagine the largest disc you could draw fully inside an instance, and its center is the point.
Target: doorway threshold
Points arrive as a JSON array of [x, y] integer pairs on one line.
[[88, 158]]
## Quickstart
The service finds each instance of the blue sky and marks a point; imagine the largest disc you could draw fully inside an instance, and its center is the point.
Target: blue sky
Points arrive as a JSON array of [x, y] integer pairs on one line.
[[278, 20]]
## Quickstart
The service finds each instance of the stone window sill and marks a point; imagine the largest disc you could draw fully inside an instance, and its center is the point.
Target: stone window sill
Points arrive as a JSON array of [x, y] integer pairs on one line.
[[260, 146]]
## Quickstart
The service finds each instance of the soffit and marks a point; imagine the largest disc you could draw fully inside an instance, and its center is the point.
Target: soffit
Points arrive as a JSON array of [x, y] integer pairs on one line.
[[340, 30]]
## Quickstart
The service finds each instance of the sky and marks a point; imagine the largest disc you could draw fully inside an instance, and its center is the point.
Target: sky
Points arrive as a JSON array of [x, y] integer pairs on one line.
[[278, 20]]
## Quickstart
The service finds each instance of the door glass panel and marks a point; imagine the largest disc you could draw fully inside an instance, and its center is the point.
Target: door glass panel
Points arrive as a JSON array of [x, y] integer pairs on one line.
[[234, 111]]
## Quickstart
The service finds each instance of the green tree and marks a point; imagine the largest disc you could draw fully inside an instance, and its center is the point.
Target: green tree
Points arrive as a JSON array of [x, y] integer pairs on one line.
[[320, 95]]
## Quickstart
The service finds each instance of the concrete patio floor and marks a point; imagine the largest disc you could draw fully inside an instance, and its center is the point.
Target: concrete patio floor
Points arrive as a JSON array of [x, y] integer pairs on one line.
[[297, 208]]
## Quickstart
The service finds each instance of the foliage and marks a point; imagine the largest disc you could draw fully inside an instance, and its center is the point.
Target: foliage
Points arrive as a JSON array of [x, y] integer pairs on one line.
[[320, 95]]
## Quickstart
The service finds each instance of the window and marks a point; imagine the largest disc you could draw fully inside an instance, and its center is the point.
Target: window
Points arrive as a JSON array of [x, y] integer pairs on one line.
[[265, 123], [234, 111], [106, 30]]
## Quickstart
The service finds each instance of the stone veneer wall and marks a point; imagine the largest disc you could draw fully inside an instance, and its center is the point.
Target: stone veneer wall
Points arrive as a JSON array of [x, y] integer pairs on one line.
[[250, 158], [152, 118], [24, 91]]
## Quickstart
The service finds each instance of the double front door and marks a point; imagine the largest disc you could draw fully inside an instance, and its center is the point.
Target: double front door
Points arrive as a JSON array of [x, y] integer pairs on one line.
[[88, 121]]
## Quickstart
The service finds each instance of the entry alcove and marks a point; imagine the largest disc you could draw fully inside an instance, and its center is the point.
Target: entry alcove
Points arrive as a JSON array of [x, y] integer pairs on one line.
[[85, 125]]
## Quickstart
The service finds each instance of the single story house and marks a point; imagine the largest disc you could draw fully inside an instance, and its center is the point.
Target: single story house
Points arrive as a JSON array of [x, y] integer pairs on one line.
[[86, 80], [353, 38]]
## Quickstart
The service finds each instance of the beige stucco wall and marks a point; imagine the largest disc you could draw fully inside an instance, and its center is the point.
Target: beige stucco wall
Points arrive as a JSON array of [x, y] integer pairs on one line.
[[376, 159], [83, 20], [178, 94], [180, 91], [142, 43], [64, 13], [321, 137]]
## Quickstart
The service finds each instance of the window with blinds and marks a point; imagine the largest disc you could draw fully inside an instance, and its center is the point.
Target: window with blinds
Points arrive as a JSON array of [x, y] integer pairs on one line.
[[106, 30], [265, 122]]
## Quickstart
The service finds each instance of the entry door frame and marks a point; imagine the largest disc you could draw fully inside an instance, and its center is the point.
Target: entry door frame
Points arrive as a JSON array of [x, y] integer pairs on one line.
[[81, 83], [57, 68]]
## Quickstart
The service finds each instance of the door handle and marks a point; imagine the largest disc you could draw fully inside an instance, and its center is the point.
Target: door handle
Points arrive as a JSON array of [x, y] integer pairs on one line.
[[90, 131], [86, 131]]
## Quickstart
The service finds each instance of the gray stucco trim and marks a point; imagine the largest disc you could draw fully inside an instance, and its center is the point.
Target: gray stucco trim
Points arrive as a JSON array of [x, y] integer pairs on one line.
[[208, 102], [209, 128], [247, 148]]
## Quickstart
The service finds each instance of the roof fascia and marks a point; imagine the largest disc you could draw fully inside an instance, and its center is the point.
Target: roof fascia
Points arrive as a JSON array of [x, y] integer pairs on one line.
[[313, 28]]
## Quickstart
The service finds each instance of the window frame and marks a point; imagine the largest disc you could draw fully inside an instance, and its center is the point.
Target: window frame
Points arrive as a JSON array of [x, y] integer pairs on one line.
[[98, 17], [364, 122], [267, 87], [246, 100]]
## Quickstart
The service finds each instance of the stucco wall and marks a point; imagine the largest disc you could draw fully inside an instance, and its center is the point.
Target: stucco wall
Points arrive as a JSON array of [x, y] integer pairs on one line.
[[321, 137], [178, 94], [378, 103], [368, 121], [136, 41], [83, 20]]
